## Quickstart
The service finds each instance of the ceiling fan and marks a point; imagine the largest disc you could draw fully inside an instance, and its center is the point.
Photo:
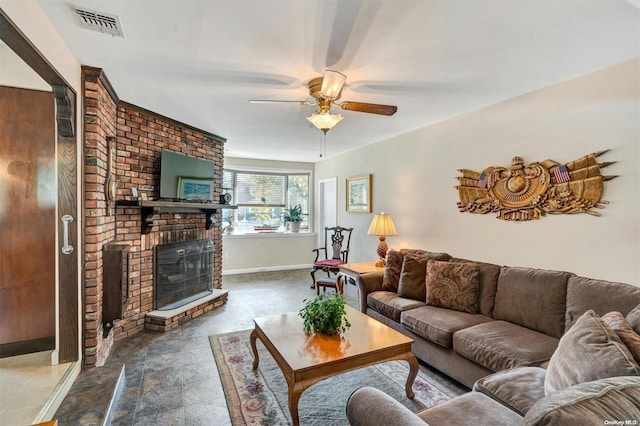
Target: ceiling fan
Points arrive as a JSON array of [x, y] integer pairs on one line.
[[325, 91]]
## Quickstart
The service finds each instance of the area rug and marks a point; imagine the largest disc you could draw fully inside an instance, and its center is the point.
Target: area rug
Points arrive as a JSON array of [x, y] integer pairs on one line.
[[260, 397]]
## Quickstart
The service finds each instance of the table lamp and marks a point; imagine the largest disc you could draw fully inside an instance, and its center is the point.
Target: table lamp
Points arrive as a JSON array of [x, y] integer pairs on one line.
[[382, 226]]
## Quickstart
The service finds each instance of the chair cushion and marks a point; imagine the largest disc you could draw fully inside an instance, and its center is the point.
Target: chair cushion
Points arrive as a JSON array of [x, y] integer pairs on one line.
[[488, 280], [533, 298], [453, 286], [390, 304], [498, 345], [438, 324], [517, 388], [590, 350], [585, 294], [607, 401], [412, 278], [627, 335], [329, 262]]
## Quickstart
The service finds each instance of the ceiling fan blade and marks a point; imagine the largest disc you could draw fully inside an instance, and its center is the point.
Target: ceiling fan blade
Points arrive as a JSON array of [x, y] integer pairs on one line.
[[270, 101], [332, 83], [368, 108]]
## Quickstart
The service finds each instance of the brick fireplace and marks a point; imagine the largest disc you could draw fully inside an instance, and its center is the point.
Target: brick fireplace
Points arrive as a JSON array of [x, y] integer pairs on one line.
[[123, 144]]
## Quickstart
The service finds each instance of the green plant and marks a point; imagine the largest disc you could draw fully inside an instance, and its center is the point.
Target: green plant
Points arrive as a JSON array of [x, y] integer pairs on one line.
[[325, 314], [293, 214]]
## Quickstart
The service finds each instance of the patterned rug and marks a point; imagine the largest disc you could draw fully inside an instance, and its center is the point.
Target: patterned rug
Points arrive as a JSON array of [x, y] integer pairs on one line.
[[260, 397]]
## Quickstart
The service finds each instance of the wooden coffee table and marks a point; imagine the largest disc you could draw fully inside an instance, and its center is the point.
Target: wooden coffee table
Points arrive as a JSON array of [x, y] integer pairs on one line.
[[306, 359]]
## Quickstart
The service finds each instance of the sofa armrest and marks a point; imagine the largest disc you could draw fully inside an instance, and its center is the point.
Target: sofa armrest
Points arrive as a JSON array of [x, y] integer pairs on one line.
[[369, 406], [614, 399], [368, 283]]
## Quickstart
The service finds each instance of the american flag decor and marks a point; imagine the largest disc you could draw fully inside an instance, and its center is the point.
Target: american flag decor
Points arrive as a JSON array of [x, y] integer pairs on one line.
[[561, 173], [482, 182]]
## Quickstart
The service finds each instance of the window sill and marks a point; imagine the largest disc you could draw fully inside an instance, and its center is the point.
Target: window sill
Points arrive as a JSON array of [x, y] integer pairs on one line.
[[270, 235]]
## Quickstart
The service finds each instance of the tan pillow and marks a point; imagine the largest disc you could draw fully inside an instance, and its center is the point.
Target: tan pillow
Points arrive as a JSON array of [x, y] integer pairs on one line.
[[412, 278], [392, 271], [590, 350], [453, 286], [630, 338]]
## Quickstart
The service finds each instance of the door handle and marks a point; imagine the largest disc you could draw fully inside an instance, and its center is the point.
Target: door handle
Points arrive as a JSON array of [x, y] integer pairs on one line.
[[66, 247]]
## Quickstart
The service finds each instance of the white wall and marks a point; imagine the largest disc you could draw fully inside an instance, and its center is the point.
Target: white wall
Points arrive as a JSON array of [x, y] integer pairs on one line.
[[265, 252], [14, 72], [564, 122]]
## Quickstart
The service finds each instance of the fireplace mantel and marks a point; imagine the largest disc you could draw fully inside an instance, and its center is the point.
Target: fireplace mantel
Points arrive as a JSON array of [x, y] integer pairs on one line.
[[149, 208]]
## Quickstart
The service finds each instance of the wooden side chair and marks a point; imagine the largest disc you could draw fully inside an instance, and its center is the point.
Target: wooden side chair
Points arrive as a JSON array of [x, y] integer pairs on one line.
[[335, 252]]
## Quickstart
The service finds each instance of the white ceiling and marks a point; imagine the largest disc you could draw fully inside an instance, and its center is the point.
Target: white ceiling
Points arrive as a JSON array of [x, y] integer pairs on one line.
[[201, 61]]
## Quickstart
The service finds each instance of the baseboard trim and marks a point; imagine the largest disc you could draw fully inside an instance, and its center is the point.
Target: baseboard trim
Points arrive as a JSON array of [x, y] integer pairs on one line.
[[27, 347], [266, 269], [52, 404]]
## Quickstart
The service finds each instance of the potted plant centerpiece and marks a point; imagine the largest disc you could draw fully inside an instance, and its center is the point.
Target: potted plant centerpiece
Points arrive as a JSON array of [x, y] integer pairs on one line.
[[325, 314], [293, 215]]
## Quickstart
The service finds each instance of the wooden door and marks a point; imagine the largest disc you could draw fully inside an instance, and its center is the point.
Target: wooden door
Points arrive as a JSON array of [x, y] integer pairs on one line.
[[27, 221]]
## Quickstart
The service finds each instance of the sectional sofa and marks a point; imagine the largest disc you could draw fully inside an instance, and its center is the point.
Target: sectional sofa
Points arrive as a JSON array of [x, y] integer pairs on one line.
[[510, 317]]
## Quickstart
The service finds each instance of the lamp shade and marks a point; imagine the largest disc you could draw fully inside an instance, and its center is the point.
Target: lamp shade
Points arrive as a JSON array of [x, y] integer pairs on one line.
[[382, 225], [324, 120], [332, 83]]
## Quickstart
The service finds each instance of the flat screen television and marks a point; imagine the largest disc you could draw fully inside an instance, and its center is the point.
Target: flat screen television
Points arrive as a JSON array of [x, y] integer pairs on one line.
[[185, 178]]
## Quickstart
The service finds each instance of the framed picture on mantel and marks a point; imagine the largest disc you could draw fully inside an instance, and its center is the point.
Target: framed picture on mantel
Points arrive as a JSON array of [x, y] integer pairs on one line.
[[195, 189], [359, 194]]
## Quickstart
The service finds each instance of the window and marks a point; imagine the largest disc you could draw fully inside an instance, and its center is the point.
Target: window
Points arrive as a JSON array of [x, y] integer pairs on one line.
[[262, 198]]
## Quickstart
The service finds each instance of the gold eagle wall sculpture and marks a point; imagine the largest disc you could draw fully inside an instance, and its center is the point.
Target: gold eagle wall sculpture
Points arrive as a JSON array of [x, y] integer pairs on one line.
[[525, 192]]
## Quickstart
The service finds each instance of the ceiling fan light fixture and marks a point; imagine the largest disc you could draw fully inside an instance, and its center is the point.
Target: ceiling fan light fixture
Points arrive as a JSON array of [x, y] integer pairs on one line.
[[324, 120], [332, 83]]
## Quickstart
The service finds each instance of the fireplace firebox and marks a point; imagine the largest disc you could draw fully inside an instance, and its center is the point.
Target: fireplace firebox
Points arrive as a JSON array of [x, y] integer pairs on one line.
[[183, 273]]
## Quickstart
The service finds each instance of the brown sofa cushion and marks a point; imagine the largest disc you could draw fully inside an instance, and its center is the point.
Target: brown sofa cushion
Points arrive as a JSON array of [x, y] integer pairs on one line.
[[453, 286], [412, 278], [584, 294], [438, 324], [533, 298], [627, 335], [390, 304], [590, 350], [517, 388], [488, 280], [498, 345], [393, 267], [591, 403]]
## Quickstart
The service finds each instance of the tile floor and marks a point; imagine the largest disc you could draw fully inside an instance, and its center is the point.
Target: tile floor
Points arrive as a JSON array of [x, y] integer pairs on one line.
[[26, 382], [171, 378]]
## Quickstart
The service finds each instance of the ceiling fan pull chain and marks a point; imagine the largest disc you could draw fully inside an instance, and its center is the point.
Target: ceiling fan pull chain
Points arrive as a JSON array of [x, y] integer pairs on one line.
[[323, 145]]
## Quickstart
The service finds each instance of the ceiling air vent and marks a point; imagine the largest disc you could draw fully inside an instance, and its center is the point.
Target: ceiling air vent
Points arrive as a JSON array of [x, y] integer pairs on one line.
[[102, 22]]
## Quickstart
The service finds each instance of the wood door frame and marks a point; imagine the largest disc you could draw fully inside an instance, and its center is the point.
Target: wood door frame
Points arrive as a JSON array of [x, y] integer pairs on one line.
[[66, 164]]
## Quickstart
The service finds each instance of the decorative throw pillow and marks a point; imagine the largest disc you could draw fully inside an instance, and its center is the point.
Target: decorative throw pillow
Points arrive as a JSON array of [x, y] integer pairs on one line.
[[590, 350], [392, 271], [629, 337], [412, 278], [453, 286], [633, 318]]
